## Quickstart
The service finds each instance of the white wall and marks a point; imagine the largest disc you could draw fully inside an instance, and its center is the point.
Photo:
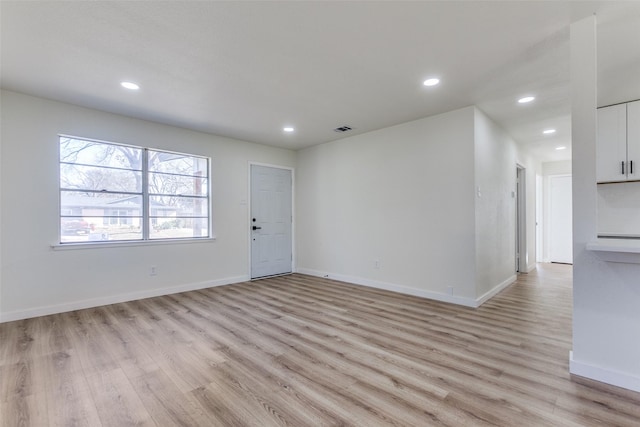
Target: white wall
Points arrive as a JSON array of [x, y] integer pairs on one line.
[[562, 167], [36, 279], [495, 205], [618, 207], [403, 195], [496, 157], [606, 295], [1, 204], [533, 167], [407, 196]]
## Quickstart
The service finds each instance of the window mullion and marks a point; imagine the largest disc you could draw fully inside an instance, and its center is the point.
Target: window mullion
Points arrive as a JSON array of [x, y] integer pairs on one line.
[[145, 194]]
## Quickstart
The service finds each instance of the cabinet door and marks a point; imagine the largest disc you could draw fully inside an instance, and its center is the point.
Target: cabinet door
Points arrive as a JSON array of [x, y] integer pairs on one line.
[[611, 148], [633, 140]]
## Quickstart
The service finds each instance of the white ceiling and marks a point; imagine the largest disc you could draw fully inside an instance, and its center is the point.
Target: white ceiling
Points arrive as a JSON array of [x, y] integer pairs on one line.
[[246, 69]]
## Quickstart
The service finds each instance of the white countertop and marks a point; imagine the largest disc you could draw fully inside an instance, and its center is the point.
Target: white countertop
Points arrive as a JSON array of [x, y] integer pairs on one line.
[[616, 249], [606, 244]]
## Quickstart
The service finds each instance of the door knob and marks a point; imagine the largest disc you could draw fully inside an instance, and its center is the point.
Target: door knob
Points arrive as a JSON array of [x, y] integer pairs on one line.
[[257, 228]]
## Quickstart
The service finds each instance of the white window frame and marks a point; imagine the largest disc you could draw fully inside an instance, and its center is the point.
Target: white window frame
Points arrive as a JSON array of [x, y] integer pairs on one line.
[[146, 217]]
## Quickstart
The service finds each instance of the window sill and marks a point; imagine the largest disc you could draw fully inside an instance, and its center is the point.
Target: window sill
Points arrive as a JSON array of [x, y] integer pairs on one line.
[[128, 244]]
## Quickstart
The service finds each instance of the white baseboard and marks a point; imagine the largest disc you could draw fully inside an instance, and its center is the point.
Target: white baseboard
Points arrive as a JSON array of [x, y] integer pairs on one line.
[[604, 375], [488, 295], [468, 302], [114, 299]]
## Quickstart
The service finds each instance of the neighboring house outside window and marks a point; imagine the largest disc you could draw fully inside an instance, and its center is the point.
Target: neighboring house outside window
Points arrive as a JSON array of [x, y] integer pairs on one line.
[[113, 192]]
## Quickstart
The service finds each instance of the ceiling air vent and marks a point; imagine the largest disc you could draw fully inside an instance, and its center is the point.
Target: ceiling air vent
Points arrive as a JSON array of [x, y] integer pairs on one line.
[[344, 128]]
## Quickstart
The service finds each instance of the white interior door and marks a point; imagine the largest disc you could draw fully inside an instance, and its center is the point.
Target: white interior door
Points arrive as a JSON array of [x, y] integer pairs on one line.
[[560, 222], [271, 221], [539, 219]]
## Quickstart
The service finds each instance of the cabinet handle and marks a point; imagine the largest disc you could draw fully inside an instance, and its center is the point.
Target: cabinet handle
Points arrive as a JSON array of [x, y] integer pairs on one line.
[[631, 167], [622, 163]]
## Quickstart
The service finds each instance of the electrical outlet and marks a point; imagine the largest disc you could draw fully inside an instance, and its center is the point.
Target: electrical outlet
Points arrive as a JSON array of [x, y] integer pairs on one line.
[[376, 264], [153, 271]]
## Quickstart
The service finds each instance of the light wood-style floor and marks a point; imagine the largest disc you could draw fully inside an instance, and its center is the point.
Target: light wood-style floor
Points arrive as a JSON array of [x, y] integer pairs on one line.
[[303, 351]]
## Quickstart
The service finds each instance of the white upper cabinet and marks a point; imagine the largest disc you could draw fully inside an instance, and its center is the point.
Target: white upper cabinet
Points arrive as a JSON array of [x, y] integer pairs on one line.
[[633, 139], [611, 149], [618, 148]]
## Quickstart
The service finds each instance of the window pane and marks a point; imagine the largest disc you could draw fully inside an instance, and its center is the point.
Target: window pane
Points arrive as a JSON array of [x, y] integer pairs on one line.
[[98, 205], [99, 178], [166, 206], [74, 227], [91, 229], [100, 154], [160, 183], [178, 228], [94, 217], [178, 164]]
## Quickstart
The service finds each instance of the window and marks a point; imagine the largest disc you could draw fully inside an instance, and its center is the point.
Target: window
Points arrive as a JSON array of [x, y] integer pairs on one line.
[[113, 192]]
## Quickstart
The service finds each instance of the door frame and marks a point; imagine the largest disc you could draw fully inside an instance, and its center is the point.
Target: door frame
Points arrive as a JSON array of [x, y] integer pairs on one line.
[[293, 212], [521, 220]]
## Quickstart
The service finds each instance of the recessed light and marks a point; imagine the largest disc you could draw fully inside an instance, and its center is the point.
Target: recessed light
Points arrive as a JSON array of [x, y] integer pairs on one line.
[[288, 129], [526, 99], [342, 129], [130, 85], [549, 131], [431, 82], [561, 148]]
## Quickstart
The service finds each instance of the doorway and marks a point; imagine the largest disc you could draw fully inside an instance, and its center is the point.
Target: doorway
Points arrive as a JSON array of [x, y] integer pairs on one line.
[[539, 218], [271, 222], [521, 257]]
